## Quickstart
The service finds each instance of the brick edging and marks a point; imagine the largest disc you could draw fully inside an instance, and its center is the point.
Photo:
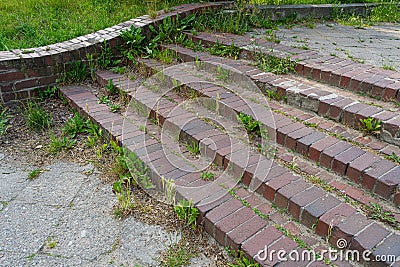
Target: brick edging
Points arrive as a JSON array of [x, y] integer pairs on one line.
[[25, 71]]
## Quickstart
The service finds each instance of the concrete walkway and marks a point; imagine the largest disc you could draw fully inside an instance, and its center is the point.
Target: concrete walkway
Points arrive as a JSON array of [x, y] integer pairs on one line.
[[64, 218], [378, 45]]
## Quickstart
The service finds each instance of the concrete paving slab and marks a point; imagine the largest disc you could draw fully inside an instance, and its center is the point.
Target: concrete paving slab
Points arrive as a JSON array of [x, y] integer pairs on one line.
[[378, 45]]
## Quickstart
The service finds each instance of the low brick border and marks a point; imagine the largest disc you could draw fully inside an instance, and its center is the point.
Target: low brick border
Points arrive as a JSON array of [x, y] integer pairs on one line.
[[25, 71]]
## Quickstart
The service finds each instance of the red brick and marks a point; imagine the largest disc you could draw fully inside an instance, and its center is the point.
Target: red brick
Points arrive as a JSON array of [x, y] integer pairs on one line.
[[329, 153], [315, 210], [282, 133], [354, 193], [265, 208], [377, 170], [336, 109], [392, 126], [356, 81], [365, 113], [341, 161], [11, 76], [219, 213], [349, 113], [292, 137], [293, 228], [231, 222], [396, 199], [316, 149], [377, 145], [333, 217], [285, 193], [349, 228], [304, 143], [389, 247], [23, 84], [265, 171], [276, 183], [387, 184], [286, 244], [278, 218], [391, 91], [303, 199], [390, 149], [378, 87], [251, 169], [240, 234], [367, 84], [204, 208], [258, 242], [369, 237], [385, 115], [324, 105]]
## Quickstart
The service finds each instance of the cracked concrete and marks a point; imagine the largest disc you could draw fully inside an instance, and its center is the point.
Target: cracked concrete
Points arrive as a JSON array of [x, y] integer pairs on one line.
[[378, 45], [64, 218]]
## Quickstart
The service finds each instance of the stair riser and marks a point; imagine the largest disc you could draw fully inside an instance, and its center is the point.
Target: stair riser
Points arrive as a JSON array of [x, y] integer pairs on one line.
[[337, 161]]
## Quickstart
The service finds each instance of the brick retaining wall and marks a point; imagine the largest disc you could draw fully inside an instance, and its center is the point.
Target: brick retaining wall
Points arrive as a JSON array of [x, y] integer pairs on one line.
[[23, 72]]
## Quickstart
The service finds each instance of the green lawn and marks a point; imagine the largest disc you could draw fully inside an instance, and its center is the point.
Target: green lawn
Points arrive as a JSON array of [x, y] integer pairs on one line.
[[32, 23], [292, 2]]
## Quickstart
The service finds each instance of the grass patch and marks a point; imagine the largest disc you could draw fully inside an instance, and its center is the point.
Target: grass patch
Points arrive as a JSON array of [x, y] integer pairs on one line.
[[225, 51], [207, 176], [393, 157], [193, 148], [276, 65], [77, 124], [370, 125], [293, 2], [177, 255], [32, 23], [388, 12], [34, 174], [187, 213], [36, 117], [58, 144], [4, 126], [251, 125], [377, 212], [240, 260]]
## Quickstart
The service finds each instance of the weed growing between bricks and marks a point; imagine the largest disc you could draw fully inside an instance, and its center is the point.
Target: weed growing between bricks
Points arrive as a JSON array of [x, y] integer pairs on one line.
[[301, 244], [393, 157]]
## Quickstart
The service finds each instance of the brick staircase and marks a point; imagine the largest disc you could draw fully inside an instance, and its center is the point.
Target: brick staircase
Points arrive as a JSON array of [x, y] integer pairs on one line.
[[305, 184]]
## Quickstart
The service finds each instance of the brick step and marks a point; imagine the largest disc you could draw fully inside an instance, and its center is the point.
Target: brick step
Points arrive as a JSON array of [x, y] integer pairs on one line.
[[306, 167], [344, 73], [239, 219], [363, 167], [333, 128], [279, 185], [309, 96]]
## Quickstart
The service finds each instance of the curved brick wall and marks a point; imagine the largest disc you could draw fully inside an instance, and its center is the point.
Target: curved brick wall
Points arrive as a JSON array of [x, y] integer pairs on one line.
[[24, 72]]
